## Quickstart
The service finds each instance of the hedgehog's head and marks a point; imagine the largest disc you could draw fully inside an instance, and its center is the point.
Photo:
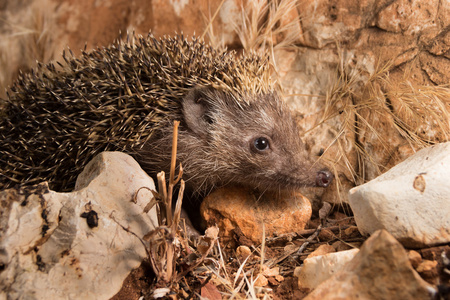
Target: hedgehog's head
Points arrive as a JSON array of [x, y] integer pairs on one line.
[[249, 140]]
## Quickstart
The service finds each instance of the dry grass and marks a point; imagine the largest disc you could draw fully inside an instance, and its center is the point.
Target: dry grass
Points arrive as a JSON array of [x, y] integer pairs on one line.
[[216, 40], [262, 26], [241, 284], [419, 114], [23, 44], [164, 247], [344, 101]]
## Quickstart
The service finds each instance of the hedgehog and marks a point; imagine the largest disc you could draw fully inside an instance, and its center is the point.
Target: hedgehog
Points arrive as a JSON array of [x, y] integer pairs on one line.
[[234, 126]]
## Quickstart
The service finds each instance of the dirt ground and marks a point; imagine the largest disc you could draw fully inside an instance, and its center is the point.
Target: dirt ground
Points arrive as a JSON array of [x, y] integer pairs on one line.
[[285, 252]]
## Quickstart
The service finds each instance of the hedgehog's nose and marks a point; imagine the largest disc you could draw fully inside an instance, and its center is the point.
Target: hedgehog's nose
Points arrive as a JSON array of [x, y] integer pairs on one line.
[[324, 178]]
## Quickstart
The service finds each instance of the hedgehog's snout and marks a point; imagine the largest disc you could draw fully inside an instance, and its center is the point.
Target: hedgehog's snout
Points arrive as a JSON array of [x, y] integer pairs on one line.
[[324, 178]]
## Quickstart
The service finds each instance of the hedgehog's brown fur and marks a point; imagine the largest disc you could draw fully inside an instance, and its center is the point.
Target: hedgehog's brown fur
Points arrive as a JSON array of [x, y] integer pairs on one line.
[[125, 97], [113, 98]]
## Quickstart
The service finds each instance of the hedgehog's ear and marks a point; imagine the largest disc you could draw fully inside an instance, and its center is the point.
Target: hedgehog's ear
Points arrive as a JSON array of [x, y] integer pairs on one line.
[[196, 111]]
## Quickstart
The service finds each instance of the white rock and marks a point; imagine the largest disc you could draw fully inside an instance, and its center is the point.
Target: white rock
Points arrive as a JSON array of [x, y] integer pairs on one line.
[[411, 201], [317, 269], [380, 270], [50, 252]]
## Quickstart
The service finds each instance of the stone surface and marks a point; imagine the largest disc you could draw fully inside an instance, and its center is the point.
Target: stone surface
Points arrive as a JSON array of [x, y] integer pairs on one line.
[[380, 270], [411, 201], [322, 250], [239, 211], [242, 253], [317, 269], [261, 280], [428, 270], [401, 16], [74, 245], [414, 258]]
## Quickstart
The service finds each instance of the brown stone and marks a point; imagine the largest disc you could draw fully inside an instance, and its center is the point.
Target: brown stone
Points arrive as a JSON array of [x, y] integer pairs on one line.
[[322, 250], [252, 214], [428, 269], [270, 272], [381, 270], [436, 67], [243, 252], [402, 16], [261, 280], [414, 258]]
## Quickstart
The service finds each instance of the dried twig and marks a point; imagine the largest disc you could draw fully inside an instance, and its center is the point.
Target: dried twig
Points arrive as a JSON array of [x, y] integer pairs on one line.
[[164, 246]]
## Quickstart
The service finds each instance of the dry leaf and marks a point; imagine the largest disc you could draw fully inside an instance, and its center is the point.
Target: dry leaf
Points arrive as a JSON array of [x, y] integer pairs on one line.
[[210, 291]]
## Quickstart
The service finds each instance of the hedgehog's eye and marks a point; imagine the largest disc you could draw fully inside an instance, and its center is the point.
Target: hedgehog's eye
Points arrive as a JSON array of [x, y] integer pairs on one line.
[[261, 144]]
